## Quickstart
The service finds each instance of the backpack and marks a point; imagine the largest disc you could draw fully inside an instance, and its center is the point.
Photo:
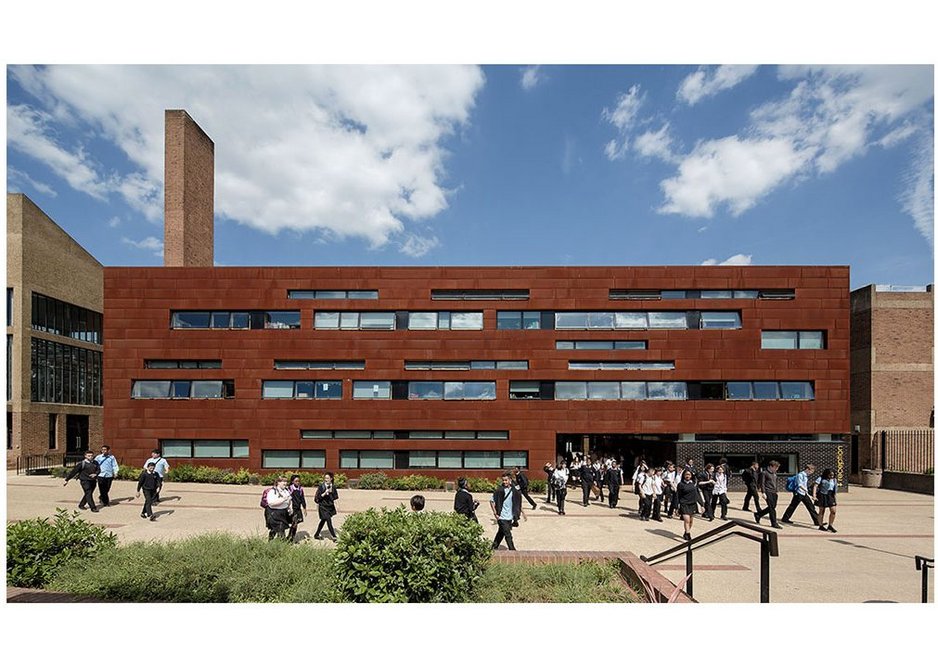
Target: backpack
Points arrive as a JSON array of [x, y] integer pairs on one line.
[[264, 497], [792, 484]]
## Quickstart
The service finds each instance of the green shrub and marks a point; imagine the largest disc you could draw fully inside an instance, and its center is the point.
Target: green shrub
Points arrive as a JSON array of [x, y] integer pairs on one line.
[[401, 556], [482, 485], [38, 548], [307, 478], [537, 486], [582, 582], [373, 481], [415, 483], [129, 473]]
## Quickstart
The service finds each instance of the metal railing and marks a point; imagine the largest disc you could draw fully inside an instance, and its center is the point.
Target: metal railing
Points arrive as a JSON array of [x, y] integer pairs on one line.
[[768, 542], [924, 564], [907, 450], [31, 463]]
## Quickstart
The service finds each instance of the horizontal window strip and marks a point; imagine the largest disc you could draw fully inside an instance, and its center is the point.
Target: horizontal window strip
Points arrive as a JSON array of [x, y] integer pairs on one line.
[[794, 340], [319, 364], [598, 344], [769, 293], [386, 434], [235, 320], [182, 389], [618, 320], [301, 389], [204, 448], [332, 294], [390, 320], [293, 460], [662, 390], [432, 459], [601, 365], [182, 364], [468, 365], [480, 294]]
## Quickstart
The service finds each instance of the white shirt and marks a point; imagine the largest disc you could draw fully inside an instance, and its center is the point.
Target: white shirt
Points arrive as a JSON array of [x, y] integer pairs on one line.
[[658, 483], [648, 484], [278, 499], [561, 475], [719, 483], [670, 477]]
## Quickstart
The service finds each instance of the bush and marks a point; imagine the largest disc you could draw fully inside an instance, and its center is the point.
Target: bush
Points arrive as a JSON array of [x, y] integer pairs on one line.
[[37, 549], [482, 485], [212, 568], [373, 481], [401, 556], [415, 483], [307, 478], [537, 486], [129, 473]]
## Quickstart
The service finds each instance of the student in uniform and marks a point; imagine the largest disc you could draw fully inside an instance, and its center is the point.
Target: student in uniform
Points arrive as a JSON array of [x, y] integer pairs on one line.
[[613, 482], [719, 492], [705, 489], [109, 468], [586, 480], [464, 503], [686, 499], [87, 471], [826, 494], [768, 485], [559, 482], [506, 506], [646, 494], [149, 482], [599, 478], [549, 470], [326, 496], [669, 480], [299, 505], [521, 481], [658, 485], [751, 480], [277, 512], [802, 496], [417, 502], [162, 468]]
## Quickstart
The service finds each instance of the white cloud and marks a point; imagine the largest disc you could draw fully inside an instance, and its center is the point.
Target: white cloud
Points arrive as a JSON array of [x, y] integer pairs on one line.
[[531, 76], [149, 244], [418, 246], [21, 179], [115, 221], [708, 81], [342, 150], [624, 117], [738, 260], [918, 194], [832, 114], [655, 144]]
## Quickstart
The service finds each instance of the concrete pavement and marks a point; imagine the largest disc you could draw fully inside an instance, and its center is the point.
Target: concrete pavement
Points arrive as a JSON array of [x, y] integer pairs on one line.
[[870, 559]]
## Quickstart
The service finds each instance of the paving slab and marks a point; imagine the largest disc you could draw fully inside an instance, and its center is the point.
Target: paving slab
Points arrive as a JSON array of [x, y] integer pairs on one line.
[[871, 558]]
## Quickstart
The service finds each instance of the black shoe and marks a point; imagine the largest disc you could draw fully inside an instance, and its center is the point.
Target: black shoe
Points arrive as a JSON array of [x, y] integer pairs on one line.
[[832, 529], [143, 515], [723, 517], [745, 509], [777, 526], [94, 510], [821, 527], [534, 507], [686, 536], [756, 516], [153, 518], [317, 537], [81, 507], [784, 521], [658, 519]]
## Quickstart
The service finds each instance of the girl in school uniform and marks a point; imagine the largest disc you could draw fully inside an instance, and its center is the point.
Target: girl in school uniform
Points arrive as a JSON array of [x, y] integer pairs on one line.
[[686, 500], [719, 492], [826, 491], [326, 495], [299, 504]]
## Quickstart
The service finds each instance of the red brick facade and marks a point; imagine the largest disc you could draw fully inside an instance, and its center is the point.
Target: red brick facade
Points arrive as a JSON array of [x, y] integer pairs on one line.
[[139, 302]]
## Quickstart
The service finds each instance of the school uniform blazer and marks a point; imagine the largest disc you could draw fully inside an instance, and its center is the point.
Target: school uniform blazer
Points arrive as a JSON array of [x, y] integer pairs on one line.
[[463, 503], [499, 499], [523, 481]]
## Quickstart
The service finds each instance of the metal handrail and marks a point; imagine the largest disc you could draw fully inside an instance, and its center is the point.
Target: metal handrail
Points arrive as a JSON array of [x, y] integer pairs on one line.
[[768, 541], [923, 564]]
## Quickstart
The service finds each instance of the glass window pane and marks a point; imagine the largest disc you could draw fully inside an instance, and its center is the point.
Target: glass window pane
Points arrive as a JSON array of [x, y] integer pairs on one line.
[[330, 294], [417, 459], [362, 294], [482, 460], [221, 319], [570, 320], [426, 434], [316, 434], [382, 435], [351, 364], [599, 320], [745, 294], [594, 345], [280, 459], [633, 390], [313, 459], [239, 449], [738, 390], [305, 389], [198, 319], [460, 435], [482, 364], [493, 435], [328, 389], [716, 294], [667, 391], [449, 459], [631, 320], [569, 390], [514, 458], [425, 390], [531, 320], [375, 459], [422, 320], [444, 321], [584, 366], [508, 320], [348, 320], [667, 320], [277, 389], [151, 389], [673, 294], [478, 390], [564, 345], [181, 389], [764, 390], [600, 390], [301, 294], [173, 448], [290, 364], [371, 389], [240, 320], [348, 459], [468, 320], [352, 433], [719, 320], [377, 320], [513, 364], [326, 320], [779, 340], [797, 390], [282, 320], [811, 340], [207, 389], [211, 449]]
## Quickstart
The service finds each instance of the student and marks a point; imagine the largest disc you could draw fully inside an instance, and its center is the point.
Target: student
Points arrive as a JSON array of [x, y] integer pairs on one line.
[[646, 494], [549, 470], [613, 482], [326, 496], [299, 505], [417, 502], [768, 485], [599, 478], [149, 482], [686, 499], [719, 492], [521, 480], [586, 480], [464, 503], [826, 492], [506, 506], [162, 468], [640, 469], [669, 480], [801, 496], [87, 471], [658, 485], [559, 482], [751, 480], [279, 506], [705, 484], [109, 468]]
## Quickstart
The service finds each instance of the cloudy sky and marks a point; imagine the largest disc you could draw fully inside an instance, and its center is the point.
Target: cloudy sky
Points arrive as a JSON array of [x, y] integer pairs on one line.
[[514, 165]]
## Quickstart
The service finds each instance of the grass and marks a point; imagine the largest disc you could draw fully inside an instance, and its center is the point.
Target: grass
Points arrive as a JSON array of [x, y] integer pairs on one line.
[[583, 582]]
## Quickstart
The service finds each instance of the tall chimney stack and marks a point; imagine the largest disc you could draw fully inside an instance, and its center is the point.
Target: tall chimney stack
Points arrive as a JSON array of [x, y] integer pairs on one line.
[[189, 193]]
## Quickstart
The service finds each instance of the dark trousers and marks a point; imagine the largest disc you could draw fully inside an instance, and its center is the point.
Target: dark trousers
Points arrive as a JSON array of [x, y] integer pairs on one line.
[[561, 497], [586, 492], [656, 509], [613, 496], [88, 499], [599, 486], [752, 493], [159, 488], [325, 522], [707, 503], [644, 507], [104, 488], [550, 491], [795, 500], [525, 494], [666, 499], [724, 503], [148, 496], [504, 531], [771, 500]]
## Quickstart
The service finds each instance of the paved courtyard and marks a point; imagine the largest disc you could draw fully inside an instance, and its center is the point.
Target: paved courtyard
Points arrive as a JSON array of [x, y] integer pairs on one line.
[[870, 559]]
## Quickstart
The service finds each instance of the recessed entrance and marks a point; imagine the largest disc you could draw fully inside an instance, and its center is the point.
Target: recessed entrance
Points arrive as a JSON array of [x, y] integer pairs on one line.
[[653, 448], [76, 433]]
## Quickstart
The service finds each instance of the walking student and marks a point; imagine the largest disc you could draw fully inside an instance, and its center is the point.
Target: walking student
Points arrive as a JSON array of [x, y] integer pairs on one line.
[[506, 506], [687, 500], [559, 482], [658, 485], [586, 480], [279, 507], [705, 484], [826, 492], [599, 478], [149, 482], [521, 480], [326, 496], [107, 463], [162, 468], [800, 495], [464, 504], [646, 494], [751, 480], [549, 470], [768, 484], [87, 471], [299, 505], [614, 482], [719, 492], [669, 480]]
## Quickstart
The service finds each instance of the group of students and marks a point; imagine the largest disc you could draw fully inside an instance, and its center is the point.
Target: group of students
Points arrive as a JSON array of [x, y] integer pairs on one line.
[[98, 472], [284, 506]]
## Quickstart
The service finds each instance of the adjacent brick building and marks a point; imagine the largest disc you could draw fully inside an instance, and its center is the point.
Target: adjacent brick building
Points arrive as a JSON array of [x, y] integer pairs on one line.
[[54, 345]]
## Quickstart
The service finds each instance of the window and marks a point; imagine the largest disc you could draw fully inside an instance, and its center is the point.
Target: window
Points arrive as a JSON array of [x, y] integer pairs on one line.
[[566, 390], [633, 391], [282, 320], [797, 390], [764, 390], [191, 319], [602, 345], [701, 294], [182, 389], [600, 365], [182, 364], [9, 307], [800, 390], [366, 459], [425, 390], [423, 320], [377, 320], [371, 389], [792, 340], [301, 389], [777, 294], [482, 294], [293, 460], [482, 460], [524, 389], [319, 364], [631, 320], [235, 320], [570, 321], [207, 389], [403, 435], [9, 367], [208, 449], [465, 320], [332, 294], [58, 317], [739, 390], [61, 373], [518, 320], [719, 320], [603, 391], [53, 420], [667, 391], [667, 320], [451, 390]]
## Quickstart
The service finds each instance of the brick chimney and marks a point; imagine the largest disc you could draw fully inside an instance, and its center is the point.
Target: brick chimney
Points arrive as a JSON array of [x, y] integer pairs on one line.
[[189, 193]]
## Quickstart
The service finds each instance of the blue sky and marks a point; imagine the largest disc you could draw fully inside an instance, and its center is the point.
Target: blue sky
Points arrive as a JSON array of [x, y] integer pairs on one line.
[[513, 165]]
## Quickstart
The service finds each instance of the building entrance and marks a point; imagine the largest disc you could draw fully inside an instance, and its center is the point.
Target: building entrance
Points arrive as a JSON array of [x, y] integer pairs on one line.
[[76, 433], [655, 449]]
